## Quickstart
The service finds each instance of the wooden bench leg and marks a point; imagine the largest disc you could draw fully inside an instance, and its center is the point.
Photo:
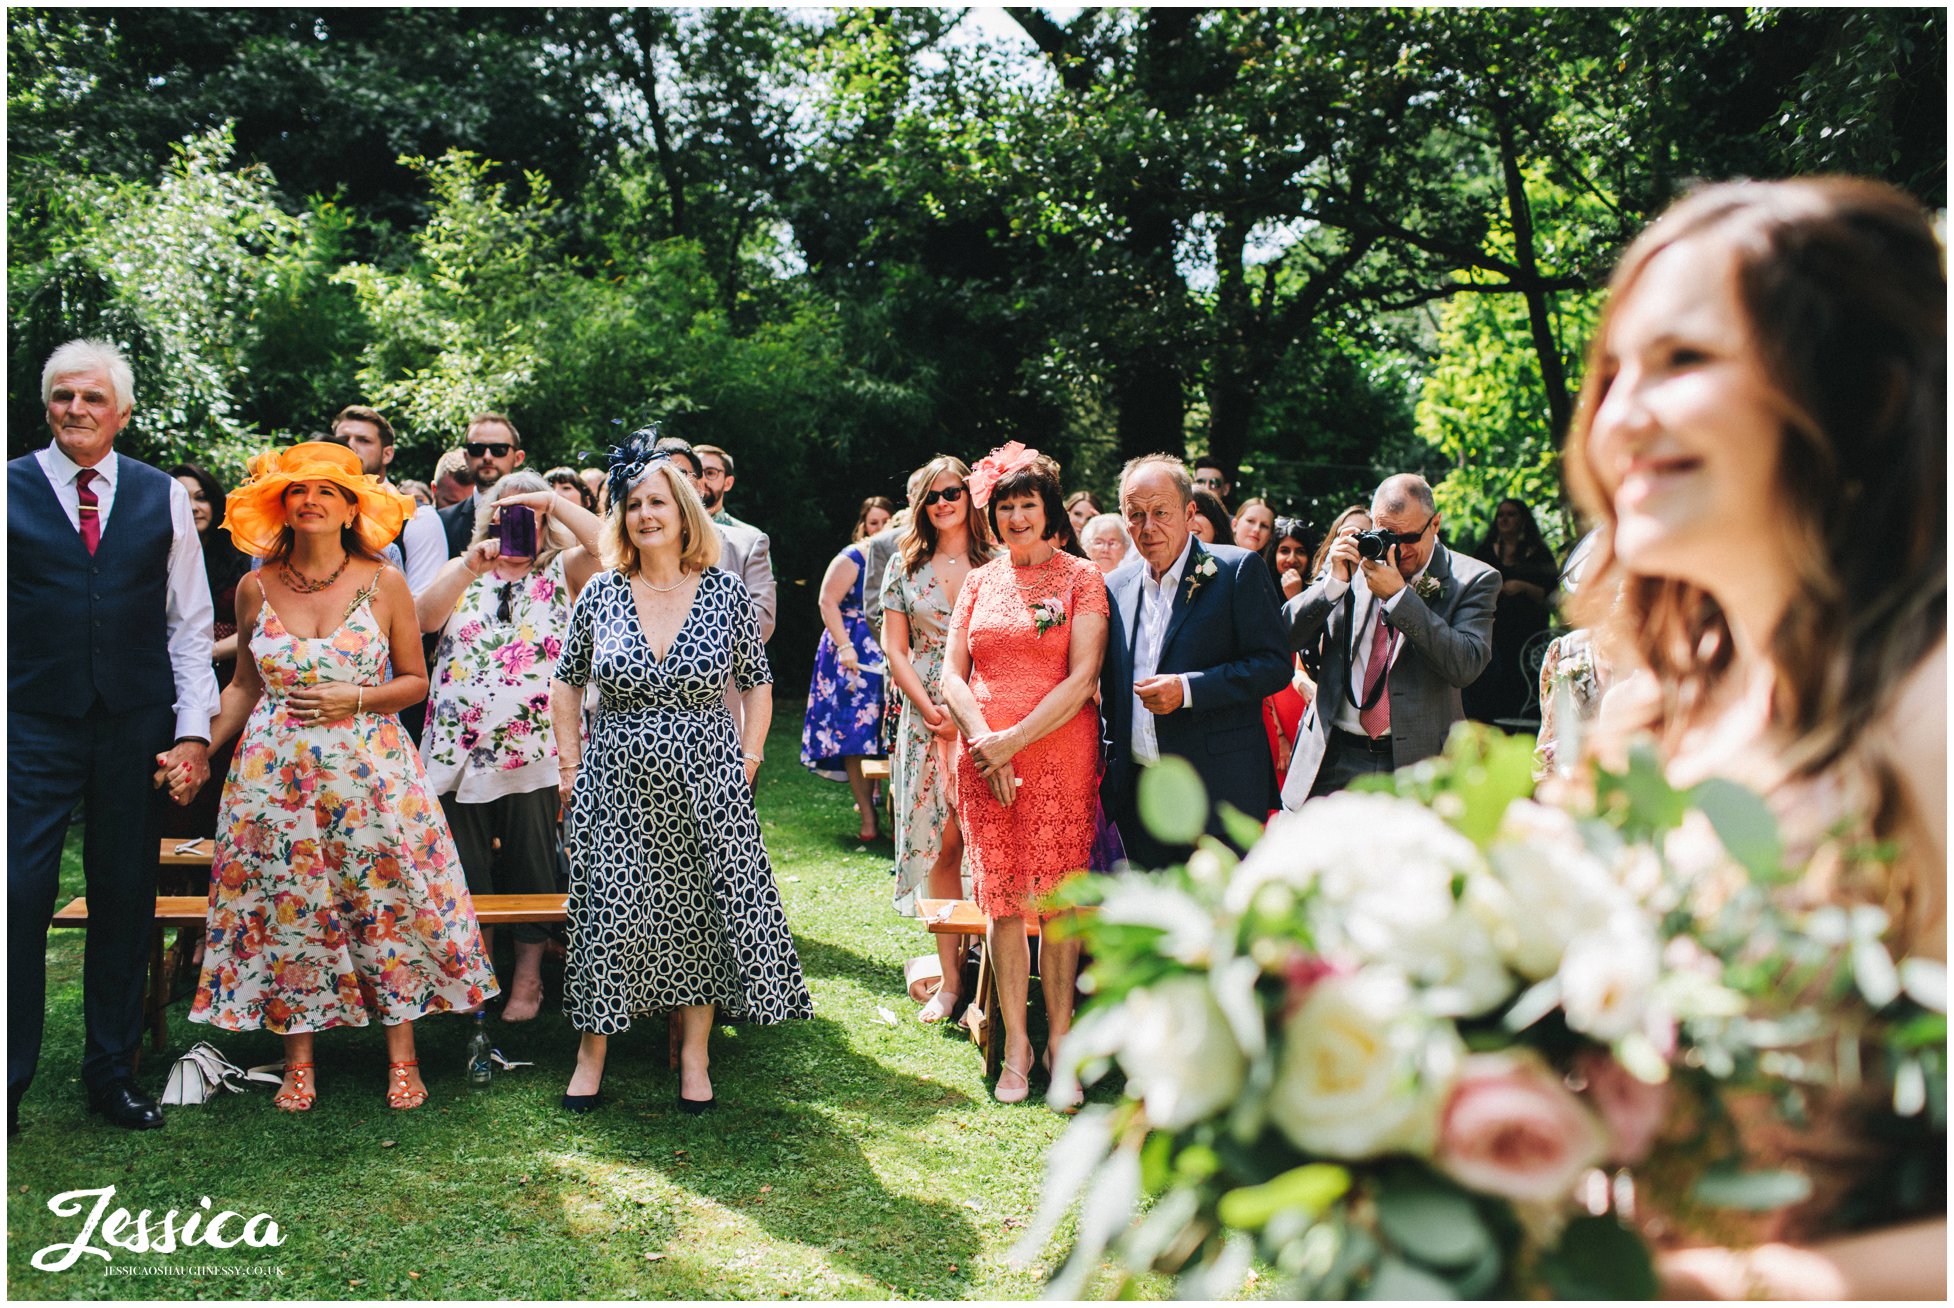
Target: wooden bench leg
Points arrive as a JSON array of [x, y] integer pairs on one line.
[[156, 1001]]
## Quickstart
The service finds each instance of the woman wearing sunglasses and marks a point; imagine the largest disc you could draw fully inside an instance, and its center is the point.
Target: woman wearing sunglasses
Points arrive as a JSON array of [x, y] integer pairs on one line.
[[943, 542], [503, 611]]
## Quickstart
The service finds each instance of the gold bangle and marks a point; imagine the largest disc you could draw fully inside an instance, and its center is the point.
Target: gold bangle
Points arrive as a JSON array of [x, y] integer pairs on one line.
[[359, 705]]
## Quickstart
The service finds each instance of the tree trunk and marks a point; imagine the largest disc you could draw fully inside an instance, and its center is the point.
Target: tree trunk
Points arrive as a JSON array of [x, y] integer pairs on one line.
[[1234, 386], [1553, 376], [661, 136]]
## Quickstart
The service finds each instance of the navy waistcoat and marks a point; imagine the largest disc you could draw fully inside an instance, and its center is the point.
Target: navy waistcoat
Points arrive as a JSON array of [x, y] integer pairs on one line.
[[82, 627]]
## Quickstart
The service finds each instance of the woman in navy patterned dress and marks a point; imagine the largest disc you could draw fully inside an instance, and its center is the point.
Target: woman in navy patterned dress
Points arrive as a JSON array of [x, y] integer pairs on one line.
[[845, 698], [672, 898]]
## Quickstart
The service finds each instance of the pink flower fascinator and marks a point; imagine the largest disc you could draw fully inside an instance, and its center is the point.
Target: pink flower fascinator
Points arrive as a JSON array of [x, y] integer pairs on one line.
[[1012, 456]]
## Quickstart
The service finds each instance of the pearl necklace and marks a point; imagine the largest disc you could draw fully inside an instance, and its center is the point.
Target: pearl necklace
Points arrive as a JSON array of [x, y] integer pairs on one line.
[[683, 577]]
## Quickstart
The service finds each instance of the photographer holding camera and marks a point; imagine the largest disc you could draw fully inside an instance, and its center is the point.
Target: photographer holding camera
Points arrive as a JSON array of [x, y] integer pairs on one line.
[[1410, 624]]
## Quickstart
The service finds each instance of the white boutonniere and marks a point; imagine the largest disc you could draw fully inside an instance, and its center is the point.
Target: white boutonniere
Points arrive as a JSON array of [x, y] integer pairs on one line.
[[1426, 588], [1201, 570], [1048, 613]]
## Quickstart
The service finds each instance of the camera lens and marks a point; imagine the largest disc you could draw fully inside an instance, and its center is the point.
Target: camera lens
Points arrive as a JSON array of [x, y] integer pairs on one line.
[[1372, 545]]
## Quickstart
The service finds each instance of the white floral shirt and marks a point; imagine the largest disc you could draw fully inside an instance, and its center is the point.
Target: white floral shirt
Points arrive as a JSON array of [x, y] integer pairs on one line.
[[488, 722]]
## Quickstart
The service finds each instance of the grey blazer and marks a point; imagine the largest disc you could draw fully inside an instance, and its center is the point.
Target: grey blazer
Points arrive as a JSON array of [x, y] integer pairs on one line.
[[743, 552], [1448, 641]]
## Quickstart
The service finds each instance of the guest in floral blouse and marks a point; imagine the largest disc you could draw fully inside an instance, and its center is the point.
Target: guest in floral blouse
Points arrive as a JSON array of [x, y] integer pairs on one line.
[[490, 749]]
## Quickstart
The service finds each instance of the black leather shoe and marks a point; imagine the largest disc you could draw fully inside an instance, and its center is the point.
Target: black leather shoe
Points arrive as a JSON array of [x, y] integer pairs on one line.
[[695, 1106], [581, 1103], [124, 1105]]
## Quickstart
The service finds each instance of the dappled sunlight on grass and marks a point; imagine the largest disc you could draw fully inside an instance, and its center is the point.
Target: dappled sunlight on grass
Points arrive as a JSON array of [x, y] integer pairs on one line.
[[848, 1158]]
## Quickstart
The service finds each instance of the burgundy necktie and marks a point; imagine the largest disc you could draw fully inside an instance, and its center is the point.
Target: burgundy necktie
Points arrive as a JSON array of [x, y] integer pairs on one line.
[[91, 517], [1376, 720]]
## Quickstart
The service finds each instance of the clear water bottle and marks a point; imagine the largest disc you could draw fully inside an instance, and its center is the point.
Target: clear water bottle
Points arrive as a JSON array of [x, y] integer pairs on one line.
[[479, 1067]]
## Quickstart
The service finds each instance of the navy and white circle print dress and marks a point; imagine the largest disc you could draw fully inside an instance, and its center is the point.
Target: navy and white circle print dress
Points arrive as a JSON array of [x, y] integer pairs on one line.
[[672, 897]]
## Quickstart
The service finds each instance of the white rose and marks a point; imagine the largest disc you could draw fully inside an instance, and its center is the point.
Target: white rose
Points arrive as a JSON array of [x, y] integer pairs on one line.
[[1606, 979], [1550, 888], [1361, 1071], [1178, 1054], [1143, 901], [1456, 961], [1358, 846]]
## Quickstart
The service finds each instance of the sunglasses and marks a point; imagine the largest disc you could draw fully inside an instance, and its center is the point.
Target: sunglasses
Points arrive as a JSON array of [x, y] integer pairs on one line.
[[1290, 526], [504, 610], [476, 449], [949, 495]]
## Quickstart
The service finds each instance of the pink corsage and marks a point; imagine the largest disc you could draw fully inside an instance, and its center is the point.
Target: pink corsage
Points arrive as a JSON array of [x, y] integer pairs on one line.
[[1012, 456], [1048, 613]]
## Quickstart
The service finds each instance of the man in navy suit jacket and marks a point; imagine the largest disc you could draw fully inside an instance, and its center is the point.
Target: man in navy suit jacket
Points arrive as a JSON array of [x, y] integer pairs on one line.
[[1197, 644]]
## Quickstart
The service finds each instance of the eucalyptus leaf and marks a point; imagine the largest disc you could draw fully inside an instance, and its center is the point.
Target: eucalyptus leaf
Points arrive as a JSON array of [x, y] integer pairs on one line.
[[1599, 1258], [1239, 826], [1746, 826], [1431, 1221], [1172, 801], [1757, 1192], [1396, 1279]]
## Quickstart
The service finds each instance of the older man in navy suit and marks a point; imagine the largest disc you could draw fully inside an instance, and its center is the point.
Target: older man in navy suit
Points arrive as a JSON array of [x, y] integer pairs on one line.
[[1198, 643], [108, 679]]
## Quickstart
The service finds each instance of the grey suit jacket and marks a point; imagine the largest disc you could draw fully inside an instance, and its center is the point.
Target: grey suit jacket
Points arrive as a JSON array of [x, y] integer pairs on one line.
[[743, 552], [1448, 641]]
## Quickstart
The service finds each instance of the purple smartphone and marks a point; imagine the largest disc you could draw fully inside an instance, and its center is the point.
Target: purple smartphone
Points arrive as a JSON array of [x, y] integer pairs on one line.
[[515, 531]]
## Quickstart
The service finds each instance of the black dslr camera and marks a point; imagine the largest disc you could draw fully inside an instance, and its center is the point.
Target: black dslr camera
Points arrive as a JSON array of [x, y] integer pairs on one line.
[[1377, 542]]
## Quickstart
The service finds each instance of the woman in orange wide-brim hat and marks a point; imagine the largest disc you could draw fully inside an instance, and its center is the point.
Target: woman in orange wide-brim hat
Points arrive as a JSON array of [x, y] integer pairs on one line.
[[255, 513], [337, 896]]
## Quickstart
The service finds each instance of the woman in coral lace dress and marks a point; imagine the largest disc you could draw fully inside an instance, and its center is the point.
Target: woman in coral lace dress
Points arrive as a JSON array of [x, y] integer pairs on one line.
[[1761, 444], [336, 895], [1023, 663]]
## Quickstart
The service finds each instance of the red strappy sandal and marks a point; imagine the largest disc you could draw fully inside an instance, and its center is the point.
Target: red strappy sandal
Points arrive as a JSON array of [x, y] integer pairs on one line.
[[398, 1095]]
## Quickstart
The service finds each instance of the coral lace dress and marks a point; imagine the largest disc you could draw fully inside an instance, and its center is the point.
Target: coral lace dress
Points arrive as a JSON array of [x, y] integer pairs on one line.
[[1020, 852]]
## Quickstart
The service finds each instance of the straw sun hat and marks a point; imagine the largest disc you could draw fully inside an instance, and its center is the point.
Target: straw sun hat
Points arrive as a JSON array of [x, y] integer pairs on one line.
[[254, 513]]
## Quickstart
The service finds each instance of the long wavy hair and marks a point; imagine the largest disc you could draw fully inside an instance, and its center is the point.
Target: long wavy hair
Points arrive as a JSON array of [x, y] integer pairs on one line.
[[917, 544], [1844, 287], [1322, 555]]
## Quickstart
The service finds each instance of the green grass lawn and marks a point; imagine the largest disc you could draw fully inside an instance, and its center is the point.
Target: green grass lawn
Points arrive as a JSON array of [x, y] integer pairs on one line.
[[847, 1159]]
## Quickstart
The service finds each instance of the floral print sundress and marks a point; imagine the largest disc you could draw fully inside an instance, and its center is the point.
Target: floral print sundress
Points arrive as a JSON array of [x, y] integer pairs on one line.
[[336, 894], [489, 732]]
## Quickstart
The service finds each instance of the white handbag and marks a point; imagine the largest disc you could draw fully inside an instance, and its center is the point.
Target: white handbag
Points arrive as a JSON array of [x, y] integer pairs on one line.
[[195, 1077]]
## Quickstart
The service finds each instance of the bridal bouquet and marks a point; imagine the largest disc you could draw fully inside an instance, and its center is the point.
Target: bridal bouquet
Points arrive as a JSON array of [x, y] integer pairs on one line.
[[1404, 1046]]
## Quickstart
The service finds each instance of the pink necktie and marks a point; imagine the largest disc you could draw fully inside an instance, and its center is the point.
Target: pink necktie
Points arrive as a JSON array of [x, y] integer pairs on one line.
[[1376, 720], [91, 519]]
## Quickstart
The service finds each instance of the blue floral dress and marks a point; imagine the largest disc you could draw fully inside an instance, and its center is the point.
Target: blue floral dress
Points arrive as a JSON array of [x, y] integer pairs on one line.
[[844, 711]]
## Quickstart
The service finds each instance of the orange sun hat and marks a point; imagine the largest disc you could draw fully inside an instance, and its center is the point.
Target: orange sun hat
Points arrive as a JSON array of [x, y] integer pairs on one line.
[[254, 513]]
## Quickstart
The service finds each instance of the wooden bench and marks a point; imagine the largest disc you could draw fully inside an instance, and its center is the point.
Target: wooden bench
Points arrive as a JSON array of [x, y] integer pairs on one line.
[[961, 917], [188, 912]]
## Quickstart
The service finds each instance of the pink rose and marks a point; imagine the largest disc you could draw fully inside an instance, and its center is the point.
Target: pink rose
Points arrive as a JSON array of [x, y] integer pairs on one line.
[[1631, 1108], [1512, 1129]]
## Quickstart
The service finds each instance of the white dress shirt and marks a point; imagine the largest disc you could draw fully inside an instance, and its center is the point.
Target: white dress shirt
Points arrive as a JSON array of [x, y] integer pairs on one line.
[[1156, 608], [424, 541], [188, 614], [1364, 615]]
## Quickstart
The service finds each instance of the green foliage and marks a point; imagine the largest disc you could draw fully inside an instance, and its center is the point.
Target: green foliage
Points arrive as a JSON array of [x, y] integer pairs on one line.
[[186, 274], [1482, 407]]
